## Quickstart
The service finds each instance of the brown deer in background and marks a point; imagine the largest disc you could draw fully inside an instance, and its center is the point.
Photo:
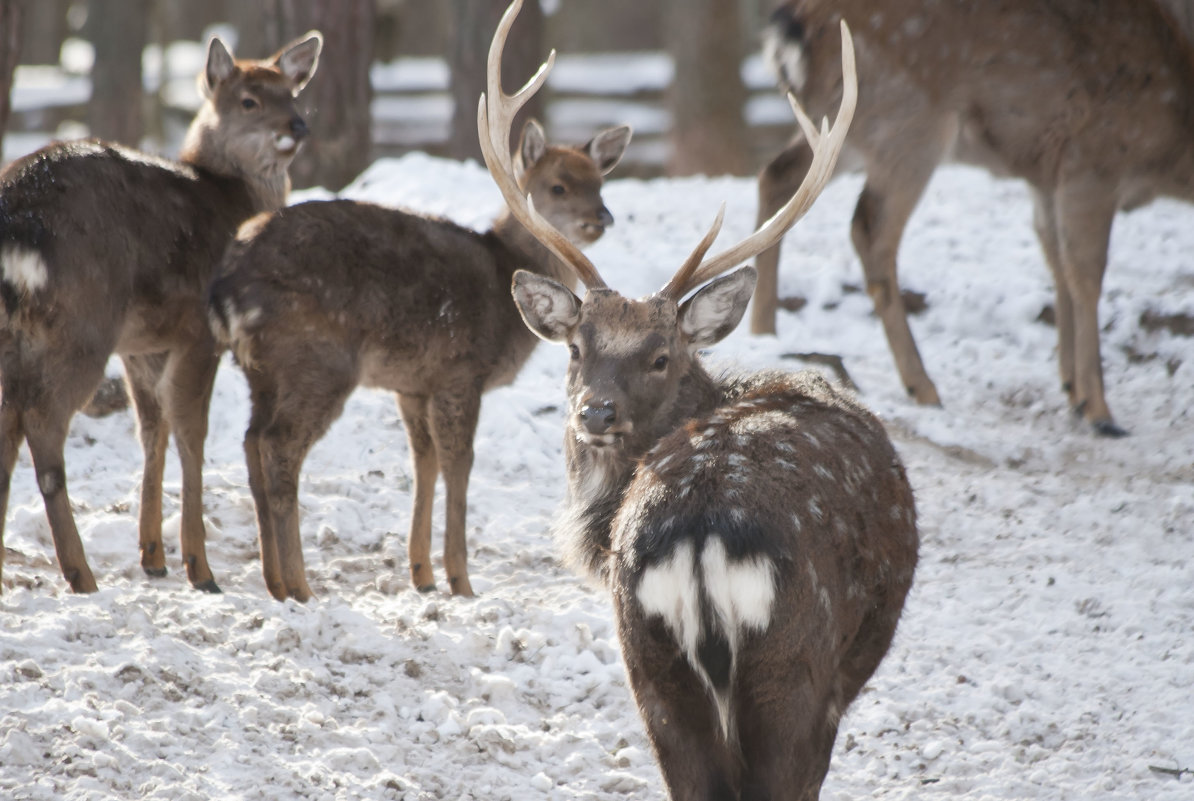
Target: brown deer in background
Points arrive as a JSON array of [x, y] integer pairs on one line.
[[1091, 103], [107, 250], [758, 533], [322, 297]]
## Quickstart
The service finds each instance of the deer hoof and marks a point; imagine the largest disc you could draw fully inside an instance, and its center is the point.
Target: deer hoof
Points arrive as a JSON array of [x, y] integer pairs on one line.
[[155, 572], [426, 588], [1108, 428], [206, 586]]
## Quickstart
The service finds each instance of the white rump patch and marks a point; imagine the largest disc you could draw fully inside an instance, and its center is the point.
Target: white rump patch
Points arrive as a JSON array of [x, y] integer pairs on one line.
[[25, 269], [741, 593]]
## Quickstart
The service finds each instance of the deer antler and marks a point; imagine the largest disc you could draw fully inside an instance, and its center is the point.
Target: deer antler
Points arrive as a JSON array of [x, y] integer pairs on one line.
[[826, 145], [495, 147]]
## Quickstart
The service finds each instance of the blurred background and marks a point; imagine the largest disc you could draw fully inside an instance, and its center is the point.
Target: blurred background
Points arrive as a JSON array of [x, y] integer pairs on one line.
[[402, 75]]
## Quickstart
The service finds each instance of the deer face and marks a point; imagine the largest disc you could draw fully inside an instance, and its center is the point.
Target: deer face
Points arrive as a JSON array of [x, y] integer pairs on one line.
[[564, 183], [630, 359]]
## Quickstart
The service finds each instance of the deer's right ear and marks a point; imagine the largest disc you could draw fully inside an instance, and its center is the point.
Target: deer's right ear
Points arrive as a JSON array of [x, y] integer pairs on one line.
[[532, 144], [219, 67], [548, 307], [298, 60], [714, 311]]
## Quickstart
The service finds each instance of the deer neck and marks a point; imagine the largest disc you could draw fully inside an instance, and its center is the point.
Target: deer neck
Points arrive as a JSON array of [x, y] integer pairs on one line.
[[266, 178], [598, 477], [535, 256]]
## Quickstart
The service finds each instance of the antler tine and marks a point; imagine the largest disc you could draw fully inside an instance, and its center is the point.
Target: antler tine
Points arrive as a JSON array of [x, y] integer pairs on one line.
[[826, 145], [676, 288], [495, 148]]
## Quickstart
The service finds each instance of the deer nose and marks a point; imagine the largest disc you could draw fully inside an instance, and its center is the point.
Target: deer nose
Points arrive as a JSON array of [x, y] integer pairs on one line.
[[598, 417], [298, 128], [604, 218]]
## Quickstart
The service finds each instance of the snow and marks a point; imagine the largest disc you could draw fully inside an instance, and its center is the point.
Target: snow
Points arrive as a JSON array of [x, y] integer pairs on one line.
[[1046, 651]]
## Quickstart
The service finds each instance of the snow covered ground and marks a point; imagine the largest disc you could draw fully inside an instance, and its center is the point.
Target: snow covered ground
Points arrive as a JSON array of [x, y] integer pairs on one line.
[[1046, 652]]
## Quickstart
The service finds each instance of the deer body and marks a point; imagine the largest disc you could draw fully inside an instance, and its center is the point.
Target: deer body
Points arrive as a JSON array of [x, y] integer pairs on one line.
[[758, 534], [1091, 104], [107, 250], [322, 297]]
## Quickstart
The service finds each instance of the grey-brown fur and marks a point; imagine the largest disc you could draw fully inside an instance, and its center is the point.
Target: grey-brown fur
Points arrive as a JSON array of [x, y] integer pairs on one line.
[[1091, 103], [758, 534], [322, 297], [106, 250]]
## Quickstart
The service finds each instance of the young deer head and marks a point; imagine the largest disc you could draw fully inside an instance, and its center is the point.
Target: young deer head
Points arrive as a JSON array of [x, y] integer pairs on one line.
[[322, 297], [1091, 104], [758, 534], [106, 250]]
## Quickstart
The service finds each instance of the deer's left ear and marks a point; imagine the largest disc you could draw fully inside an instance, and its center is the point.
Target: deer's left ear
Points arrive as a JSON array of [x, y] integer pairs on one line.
[[299, 60], [548, 307], [713, 312], [607, 147]]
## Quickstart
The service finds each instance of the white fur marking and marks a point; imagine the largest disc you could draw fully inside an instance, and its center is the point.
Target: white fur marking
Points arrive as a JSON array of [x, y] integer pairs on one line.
[[23, 268]]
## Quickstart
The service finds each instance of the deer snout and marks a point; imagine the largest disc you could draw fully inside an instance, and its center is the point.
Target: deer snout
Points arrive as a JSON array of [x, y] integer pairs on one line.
[[604, 218], [598, 417], [298, 128]]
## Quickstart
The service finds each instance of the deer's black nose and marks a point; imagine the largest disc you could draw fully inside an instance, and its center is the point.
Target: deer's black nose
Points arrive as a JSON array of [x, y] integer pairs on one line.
[[604, 217], [298, 128], [598, 417]]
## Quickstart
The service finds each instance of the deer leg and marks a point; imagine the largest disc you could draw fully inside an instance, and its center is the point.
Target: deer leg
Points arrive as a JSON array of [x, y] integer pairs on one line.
[[1084, 214], [142, 374], [777, 182], [1044, 222], [425, 462], [887, 201], [303, 414], [11, 437], [262, 415], [453, 425], [189, 378], [45, 431]]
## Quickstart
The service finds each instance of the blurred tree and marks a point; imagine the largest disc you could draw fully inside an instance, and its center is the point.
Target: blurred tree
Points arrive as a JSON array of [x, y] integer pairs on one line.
[[44, 26], [473, 25], [119, 31], [706, 99], [337, 101], [10, 52]]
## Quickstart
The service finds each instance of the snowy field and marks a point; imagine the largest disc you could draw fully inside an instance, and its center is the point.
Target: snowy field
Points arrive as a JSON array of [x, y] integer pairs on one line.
[[1046, 652]]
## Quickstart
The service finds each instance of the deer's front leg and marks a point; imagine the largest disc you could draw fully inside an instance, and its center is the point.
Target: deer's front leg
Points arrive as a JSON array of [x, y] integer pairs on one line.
[[425, 464]]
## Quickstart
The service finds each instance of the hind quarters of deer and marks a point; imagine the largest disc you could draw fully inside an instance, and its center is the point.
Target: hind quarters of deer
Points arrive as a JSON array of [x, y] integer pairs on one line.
[[319, 298], [106, 250], [758, 534]]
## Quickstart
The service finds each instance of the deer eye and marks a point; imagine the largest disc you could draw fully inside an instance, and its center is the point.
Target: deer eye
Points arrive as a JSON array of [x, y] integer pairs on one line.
[[660, 364], [558, 189], [574, 352], [248, 103]]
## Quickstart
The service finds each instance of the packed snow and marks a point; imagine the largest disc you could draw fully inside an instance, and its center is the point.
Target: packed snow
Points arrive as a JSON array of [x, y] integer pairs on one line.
[[1046, 651]]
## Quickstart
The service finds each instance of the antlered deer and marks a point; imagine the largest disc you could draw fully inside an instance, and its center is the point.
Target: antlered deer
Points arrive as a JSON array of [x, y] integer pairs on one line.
[[1091, 103], [107, 250], [758, 533], [322, 297]]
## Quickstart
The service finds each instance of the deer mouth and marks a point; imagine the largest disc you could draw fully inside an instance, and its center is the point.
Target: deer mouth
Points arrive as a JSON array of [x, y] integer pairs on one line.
[[610, 439], [285, 144], [591, 232]]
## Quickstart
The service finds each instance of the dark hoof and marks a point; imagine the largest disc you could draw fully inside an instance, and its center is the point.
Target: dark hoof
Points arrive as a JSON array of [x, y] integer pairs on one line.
[[1108, 428], [155, 572], [426, 588], [209, 586]]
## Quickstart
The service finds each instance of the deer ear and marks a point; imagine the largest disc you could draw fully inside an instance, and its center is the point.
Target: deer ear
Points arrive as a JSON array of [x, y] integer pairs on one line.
[[607, 147], [548, 307], [713, 312], [532, 144], [218, 68], [298, 60]]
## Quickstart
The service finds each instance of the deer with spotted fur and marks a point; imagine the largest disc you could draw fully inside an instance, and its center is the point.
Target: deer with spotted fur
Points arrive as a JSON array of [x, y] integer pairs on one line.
[[757, 533]]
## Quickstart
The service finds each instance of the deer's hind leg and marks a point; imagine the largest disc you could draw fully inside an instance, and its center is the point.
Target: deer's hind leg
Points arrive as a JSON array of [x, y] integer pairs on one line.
[[453, 426], [11, 437], [307, 398]]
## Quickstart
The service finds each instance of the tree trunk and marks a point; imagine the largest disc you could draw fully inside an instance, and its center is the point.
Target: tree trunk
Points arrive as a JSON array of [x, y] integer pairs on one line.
[[10, 53], [119, 35], [708, 134], [472, 26], [336, 104], [44, 25]]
